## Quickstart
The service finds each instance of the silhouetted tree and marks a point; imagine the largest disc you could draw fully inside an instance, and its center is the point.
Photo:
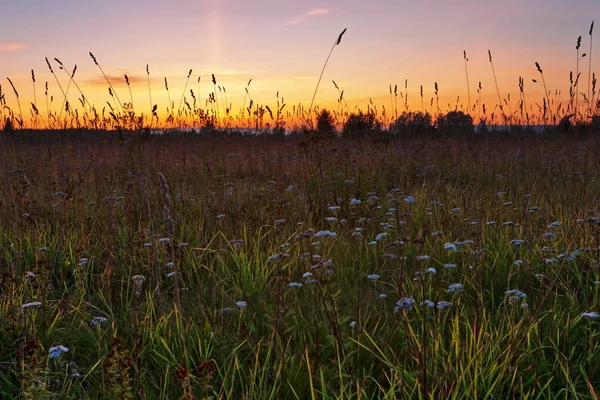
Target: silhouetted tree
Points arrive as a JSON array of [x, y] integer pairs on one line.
[[455, 123], [358, 125], [412, 124], [325, 124]]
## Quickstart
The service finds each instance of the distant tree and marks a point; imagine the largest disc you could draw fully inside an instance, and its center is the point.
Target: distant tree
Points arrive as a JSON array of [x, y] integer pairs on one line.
[[9, 127], [325, 125], [455, 123], [358, 125], [412, 124]]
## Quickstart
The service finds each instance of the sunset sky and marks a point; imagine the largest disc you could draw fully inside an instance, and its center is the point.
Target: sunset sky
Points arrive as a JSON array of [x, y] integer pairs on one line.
[[282, 46]]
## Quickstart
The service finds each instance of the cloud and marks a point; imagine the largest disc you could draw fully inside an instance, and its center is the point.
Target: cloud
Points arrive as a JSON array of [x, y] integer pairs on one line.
[[12, 46], [134, 80], [303, 17], [318, 11]]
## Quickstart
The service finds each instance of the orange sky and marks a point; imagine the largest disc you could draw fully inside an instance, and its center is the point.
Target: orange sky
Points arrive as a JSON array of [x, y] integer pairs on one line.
[[282, 46]]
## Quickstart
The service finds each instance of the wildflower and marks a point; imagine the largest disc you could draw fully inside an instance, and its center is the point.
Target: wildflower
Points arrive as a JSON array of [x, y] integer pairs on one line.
[[541, 276], [525, 305], [57, 351], [450, 246], [549, 260], [170, 264], [428, 303], [138, 279], [373, 277], [549, 235], [448, 266], [517, 242], [83, 261], [455, 210], [508, 203], [325, 234], [295, 285], [490, 223], [592, 315], [383, 296], [357, 234], [334, 208], [436, 234], [431, 271], [26, 215], [241, 304], [355, 202], [516, 293], [405, 303], [455, 288], [29, 275], [32, 304], [279, 222], [381, 236], [331, 219], [508, 223], [42, 249], [409, 199], [170, 274], [147, 244], [352, 324], [518, 262], [98, 320], [285, 245], [347, 181], [422, 258], [237, 242], [555, 224], [443, 304], [220, 216], [183, 244], [307, 275], [289, 188], [315, 244], [277, 257], [164, 240]]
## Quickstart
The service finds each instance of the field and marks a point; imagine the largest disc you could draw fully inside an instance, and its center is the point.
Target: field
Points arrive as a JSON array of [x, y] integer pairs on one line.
[[208, 266]]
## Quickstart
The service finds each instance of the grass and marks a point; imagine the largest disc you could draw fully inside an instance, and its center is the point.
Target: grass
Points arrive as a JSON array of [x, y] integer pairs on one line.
[[183, 266]]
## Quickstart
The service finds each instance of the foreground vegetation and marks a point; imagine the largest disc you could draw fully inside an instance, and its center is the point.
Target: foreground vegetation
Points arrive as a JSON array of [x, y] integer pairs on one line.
[[248, 267]]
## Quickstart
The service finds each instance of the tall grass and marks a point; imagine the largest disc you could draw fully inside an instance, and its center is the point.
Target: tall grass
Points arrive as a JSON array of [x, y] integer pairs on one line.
[[249, 268], [337, 42]]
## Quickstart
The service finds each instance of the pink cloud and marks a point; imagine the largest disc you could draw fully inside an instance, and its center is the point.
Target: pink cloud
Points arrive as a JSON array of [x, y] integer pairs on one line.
[[318, 11], [303, 17], [12, 46]]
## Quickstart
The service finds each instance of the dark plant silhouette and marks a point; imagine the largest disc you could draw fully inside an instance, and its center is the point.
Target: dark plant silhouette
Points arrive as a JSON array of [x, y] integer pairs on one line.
[[412, 124], [455, 123], [358, 125], [325, 125]]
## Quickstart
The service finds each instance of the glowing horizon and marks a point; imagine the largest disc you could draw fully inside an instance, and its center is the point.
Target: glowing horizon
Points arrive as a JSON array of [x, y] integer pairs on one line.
[[282, 47]]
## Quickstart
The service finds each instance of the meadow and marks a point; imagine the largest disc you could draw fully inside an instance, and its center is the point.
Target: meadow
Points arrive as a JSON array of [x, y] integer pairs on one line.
[[257, 267]]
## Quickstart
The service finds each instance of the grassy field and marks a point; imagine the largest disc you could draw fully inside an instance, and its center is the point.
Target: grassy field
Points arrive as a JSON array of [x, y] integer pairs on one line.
[[188, 266]]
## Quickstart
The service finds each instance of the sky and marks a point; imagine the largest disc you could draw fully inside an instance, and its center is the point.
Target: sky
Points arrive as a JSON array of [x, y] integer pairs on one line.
[[282, 45]]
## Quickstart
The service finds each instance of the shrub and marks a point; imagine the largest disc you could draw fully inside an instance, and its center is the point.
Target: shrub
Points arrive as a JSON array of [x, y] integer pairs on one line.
[[358, 125], [455, 123], [412, 124]]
